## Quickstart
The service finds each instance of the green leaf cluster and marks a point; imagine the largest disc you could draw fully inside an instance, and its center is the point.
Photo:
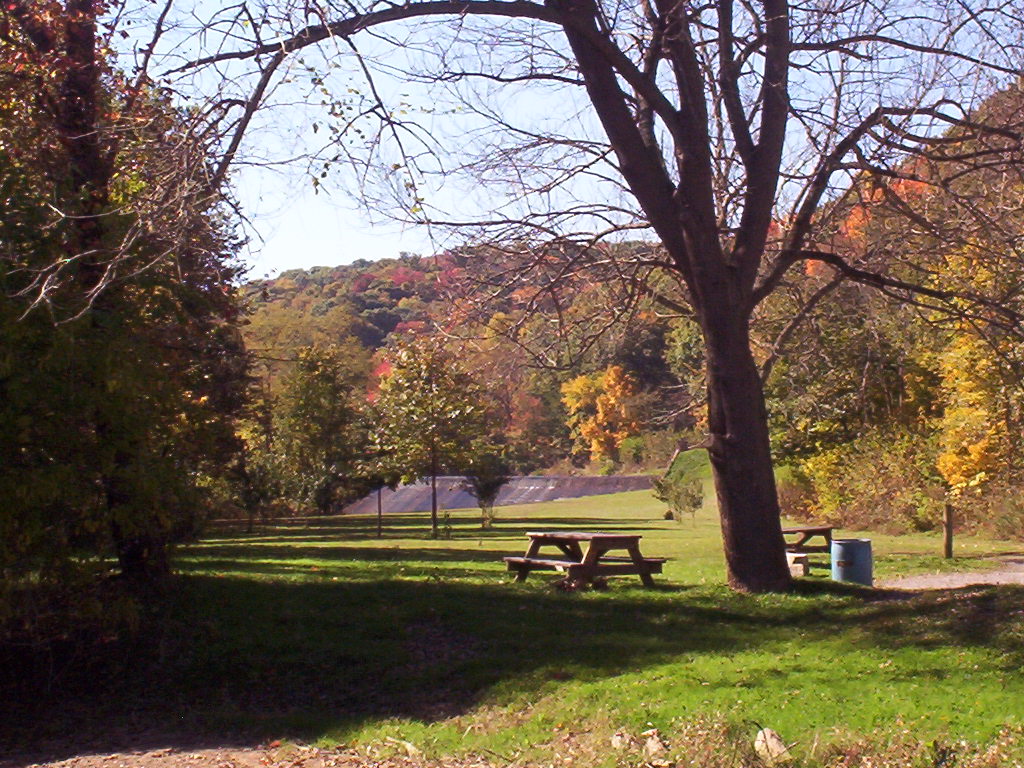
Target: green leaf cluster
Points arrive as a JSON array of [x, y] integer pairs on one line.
[[428, 412]]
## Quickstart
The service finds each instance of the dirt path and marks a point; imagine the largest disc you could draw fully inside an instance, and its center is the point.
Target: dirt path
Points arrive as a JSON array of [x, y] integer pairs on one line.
[[285, 756], [1011, 571]]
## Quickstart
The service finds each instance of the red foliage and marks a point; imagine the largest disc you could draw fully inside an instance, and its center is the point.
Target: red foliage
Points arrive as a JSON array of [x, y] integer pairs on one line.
[[411, 327], [380, 371], [362, 282], [450, 276], [402, 275]]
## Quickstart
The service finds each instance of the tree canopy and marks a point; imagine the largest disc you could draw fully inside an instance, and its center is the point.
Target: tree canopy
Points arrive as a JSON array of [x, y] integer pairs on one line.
[[123, 367], [428, 415]]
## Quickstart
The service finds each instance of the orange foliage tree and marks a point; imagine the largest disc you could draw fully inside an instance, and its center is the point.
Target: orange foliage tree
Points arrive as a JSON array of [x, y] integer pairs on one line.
[[602, 410]]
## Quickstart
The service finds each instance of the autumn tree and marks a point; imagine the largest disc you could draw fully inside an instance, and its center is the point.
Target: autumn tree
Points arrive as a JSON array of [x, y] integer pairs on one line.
[[980, 390], [123, 365], [891, 409], [602, 410], [724, 131], [428, 415], [524, 396], [487, 471]]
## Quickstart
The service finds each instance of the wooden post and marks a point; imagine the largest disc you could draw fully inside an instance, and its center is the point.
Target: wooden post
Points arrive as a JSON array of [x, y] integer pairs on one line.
[[433, 487], [947, 531], [380, 514]]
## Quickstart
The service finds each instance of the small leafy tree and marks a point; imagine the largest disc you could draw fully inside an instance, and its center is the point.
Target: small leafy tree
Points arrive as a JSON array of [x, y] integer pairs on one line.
[[486, 475], [429, 414], [377, 470], [682, 496], [320, 434]]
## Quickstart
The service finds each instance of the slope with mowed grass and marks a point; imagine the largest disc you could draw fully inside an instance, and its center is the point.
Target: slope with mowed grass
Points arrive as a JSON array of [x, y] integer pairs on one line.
[[317, 630]]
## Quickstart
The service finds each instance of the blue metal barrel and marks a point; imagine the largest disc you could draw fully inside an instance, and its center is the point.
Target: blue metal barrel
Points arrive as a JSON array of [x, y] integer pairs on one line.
[[851, 561]]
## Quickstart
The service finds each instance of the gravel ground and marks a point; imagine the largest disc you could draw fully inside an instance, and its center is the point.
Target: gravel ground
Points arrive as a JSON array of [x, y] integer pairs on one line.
[[1011, 571]]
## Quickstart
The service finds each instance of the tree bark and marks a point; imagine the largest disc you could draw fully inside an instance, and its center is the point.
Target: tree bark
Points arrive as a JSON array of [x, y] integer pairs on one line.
[[741, 459], [947, 531], [380, 513], [433, 490]]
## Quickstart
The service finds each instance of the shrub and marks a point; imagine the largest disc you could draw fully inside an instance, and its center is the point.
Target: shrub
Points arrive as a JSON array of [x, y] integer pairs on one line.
[[883, 481], [796, 493], [683, 496], [995, 508]]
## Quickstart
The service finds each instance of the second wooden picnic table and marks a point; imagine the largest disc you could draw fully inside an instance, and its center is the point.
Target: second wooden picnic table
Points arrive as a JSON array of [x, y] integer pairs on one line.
[[584, 566], [805, 533]]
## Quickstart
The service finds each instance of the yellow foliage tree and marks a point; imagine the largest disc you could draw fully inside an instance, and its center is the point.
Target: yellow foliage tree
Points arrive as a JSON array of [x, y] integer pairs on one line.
[[972, 427], [981, 393], [601, 410]]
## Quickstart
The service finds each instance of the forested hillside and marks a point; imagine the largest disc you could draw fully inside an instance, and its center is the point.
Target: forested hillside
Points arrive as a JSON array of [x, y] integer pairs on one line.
[[616, 400]]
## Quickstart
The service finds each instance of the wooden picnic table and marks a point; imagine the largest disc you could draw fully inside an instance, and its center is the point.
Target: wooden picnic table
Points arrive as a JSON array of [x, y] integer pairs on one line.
[[583, 566], [805, 534]]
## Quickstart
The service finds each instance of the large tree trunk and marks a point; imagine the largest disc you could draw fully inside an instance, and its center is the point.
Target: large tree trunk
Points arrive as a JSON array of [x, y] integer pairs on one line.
[[741, 459], [142, 548], [686, 219], [143, 556]]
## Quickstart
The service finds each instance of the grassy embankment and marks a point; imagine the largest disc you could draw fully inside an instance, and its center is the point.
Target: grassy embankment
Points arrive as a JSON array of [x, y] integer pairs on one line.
[[323, 632]]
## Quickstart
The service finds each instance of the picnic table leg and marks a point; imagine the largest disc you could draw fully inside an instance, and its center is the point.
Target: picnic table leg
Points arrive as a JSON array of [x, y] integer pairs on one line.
[[588, 562], [572, 550], [641, 565], [523, 571]]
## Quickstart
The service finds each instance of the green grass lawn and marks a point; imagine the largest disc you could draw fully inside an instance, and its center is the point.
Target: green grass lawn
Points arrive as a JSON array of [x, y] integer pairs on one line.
[[320, 631]]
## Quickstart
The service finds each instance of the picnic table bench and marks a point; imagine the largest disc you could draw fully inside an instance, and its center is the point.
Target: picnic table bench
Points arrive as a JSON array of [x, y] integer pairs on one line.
[[585, 566], [805, 533]]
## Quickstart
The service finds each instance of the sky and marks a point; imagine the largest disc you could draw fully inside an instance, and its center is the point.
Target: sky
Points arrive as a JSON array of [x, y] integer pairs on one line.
[[291, 227]]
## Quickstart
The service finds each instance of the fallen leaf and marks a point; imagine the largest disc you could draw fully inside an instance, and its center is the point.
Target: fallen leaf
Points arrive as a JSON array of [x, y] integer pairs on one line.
[[654, 745], [771, 748], [410, 749]]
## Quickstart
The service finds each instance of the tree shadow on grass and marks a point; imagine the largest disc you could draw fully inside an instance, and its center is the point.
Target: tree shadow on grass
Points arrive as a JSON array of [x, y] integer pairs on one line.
[[342, 552], [242, 659], [271, 657], [417, 525], [340, 571], [275, 658], [975, 615]]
